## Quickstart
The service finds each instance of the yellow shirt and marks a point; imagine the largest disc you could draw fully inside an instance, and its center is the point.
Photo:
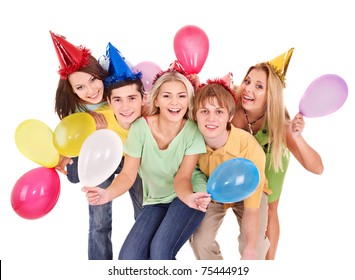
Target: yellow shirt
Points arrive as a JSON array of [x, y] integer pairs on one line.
[[240, 144], [112, 122]]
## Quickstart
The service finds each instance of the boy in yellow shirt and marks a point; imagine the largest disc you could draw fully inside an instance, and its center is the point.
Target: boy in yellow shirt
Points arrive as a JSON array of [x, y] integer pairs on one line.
[[214, 108]]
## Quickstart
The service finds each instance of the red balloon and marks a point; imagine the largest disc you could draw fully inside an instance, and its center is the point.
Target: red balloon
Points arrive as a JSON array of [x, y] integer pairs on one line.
[[36, 193], [191, 48]]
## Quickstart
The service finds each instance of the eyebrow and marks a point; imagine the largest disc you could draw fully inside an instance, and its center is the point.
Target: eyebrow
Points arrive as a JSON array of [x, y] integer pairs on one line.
[[169, 92]]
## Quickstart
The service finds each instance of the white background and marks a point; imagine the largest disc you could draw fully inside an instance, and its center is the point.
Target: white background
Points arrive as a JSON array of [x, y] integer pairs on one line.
[[316, 212]]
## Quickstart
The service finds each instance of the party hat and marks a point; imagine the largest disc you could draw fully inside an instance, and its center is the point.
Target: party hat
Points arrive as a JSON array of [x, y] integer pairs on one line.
[[118, 69], [71, 58], [175, 66], [228, 79], [280, 64]]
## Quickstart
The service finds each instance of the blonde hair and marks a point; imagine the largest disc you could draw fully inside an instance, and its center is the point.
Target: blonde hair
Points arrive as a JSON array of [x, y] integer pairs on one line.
[[276, 115], [169, 76]]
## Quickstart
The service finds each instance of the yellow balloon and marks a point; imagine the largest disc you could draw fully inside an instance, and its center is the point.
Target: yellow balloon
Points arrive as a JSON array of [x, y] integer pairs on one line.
[[71, 133], [34, 139]]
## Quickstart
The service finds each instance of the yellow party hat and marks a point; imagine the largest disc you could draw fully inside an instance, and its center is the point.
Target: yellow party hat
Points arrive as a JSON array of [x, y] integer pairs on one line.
[[280, 64]]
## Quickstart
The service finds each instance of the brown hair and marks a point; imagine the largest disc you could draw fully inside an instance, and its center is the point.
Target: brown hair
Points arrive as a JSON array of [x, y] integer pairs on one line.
[[209, 92], [123, 83], [66, 101]]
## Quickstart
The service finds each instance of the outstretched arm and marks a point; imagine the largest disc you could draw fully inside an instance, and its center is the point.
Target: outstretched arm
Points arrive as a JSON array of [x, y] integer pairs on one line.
[[302, 151], [122, 183]]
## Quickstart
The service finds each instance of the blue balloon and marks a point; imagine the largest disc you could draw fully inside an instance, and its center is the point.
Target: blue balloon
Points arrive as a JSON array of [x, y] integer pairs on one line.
[[234, 180]]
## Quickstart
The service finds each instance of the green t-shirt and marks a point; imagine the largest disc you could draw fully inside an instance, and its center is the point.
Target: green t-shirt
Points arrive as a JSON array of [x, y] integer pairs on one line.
[[275, 179], [158, 167]]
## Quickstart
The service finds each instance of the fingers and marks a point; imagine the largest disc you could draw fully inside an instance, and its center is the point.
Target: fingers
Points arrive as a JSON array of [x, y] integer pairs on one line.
[[201, 208], [62, 170], [99, 120], [203, 202], [92, 195], [298, 123], [63, 161]]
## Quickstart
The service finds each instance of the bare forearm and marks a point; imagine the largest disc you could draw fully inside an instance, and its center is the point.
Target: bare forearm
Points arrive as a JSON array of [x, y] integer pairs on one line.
[[307, 156], [183, 189], [121, 184]]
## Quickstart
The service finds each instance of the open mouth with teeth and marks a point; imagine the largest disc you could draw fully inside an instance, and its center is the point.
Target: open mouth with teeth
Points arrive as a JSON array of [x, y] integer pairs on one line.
[[248, 98], [94, 96], [211, 127], [174, 111]]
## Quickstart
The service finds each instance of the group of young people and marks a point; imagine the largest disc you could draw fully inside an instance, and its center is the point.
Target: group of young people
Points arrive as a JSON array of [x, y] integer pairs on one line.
[[173, 143]]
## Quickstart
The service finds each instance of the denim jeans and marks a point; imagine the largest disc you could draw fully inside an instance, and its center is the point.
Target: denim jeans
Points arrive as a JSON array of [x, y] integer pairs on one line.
[[100, 216], [160, 231]]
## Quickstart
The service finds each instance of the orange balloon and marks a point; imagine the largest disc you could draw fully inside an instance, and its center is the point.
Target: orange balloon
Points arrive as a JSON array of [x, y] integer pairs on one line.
[[71, 133]]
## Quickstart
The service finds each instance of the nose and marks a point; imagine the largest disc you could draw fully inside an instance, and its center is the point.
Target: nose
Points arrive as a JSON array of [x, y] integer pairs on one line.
[[211, 116], [174, 99], [124, 104], [91, 90]]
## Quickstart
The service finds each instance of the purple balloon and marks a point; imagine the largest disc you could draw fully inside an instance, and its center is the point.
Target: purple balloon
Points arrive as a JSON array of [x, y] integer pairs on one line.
[[324, 95], [149, 71]]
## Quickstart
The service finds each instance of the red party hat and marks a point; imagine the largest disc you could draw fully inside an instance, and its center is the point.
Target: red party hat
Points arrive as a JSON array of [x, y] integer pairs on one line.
[[71, 58]]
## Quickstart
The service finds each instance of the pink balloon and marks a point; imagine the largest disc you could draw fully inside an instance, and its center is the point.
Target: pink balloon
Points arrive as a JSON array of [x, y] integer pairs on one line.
[[324, 95], [191, 48], [149, 71], [36, 193]]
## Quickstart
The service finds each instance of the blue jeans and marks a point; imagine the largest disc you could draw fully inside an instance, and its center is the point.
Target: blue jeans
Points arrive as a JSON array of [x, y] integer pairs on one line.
[[160, 231], [100, 216]]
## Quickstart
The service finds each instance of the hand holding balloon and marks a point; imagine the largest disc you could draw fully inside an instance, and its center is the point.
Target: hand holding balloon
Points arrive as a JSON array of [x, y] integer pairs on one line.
[[63, 162], [96, 195], [297, 125]]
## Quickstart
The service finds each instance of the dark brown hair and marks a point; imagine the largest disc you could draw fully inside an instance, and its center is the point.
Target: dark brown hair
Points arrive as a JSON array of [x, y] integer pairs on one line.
[[66, 101]]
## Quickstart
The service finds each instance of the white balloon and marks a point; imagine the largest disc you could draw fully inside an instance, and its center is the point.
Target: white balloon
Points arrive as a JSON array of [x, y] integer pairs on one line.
[[99, 156]]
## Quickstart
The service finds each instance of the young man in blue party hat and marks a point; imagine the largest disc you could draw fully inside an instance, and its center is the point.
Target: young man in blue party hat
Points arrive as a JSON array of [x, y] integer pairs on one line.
[[82, 88], [124, 90]]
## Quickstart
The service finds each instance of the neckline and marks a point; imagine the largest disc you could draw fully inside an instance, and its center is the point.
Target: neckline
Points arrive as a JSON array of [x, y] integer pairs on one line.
[[250, 124]]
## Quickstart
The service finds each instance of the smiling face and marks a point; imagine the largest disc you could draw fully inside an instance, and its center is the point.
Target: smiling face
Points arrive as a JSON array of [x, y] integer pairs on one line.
[[212, 120], [126, 102], [254, 91], [172, 100], [89, 88]]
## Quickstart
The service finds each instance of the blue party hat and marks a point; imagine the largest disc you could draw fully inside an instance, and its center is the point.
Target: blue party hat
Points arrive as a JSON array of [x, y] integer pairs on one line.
[[118, 68]]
